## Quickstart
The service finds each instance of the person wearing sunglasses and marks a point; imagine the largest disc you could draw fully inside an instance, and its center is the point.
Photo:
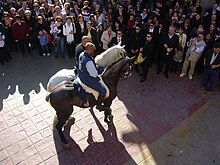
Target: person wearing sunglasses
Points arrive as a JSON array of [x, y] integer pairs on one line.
[[148, 52], [194, 52]]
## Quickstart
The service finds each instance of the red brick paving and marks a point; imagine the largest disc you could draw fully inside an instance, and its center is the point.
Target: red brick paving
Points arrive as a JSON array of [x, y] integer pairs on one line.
[[143, 112]]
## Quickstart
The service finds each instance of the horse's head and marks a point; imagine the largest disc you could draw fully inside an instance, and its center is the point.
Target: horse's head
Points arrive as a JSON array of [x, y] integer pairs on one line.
[[119, 69], [120, 51], [110, 56]]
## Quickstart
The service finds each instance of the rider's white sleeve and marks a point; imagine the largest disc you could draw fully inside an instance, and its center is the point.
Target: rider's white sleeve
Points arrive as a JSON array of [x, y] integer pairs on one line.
[[91, 69]]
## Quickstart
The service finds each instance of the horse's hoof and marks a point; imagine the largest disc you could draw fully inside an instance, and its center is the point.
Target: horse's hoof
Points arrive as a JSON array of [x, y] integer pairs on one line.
[[72, 120], [111, 118], [106, 120]]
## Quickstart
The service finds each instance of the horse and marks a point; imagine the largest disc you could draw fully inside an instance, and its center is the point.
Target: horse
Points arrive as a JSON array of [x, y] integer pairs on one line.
[[63, 99], [103, 60]]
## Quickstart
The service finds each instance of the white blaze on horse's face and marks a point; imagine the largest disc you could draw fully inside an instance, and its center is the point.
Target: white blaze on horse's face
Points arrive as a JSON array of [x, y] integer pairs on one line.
[[121, 52]]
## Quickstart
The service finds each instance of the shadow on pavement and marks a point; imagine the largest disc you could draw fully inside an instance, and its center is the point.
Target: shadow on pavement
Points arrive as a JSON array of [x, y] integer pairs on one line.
[[27, 75], [109, 151]]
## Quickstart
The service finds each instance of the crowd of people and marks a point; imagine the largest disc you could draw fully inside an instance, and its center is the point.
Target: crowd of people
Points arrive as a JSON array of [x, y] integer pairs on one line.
[[174, 33]]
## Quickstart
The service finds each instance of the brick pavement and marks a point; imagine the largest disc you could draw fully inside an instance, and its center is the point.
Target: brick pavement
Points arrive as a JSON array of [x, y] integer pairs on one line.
[[143, 115]]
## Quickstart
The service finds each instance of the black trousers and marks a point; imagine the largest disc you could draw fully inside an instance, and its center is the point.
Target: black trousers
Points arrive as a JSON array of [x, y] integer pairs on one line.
[[71, 49], [145, 66], [22, 44], [169, 62]]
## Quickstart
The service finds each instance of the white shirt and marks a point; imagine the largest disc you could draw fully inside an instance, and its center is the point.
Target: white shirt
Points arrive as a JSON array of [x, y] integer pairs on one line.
[[67, 29], [2, 42], [91, 69], [214, 56]]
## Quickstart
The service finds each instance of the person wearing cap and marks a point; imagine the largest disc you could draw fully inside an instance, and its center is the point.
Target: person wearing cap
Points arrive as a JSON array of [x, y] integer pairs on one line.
[[212, 68], [36, 11], [88, 73]]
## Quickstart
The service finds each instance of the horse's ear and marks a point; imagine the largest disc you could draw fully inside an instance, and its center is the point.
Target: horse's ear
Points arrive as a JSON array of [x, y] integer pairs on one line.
[[123, 46]]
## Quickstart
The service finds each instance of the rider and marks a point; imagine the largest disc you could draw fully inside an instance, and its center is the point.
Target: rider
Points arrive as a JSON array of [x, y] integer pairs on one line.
[[88, 73]]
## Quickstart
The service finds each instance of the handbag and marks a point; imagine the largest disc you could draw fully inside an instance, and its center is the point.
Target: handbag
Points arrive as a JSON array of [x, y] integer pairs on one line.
[[139, 59]]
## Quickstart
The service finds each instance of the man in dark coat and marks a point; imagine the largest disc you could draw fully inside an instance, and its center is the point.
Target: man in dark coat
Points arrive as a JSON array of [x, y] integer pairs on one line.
[[170, 42], [148, 52], [212, 68], [80, 48], [91, 32], [118, 39]]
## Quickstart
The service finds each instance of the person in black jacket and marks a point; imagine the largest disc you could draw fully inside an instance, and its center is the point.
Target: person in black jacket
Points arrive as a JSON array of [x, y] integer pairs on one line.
[[80, 48], [148, 51], [118, 39], [170, 42], [212, 68]]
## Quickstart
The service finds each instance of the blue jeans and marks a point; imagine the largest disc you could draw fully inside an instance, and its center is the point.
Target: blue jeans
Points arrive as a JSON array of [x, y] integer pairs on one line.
[[210, 79], [44, 48], [60, 47]]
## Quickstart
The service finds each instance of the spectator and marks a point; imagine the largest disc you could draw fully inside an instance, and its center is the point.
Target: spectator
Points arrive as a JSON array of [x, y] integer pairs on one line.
[[212, 68], [170, 42], [148, 51], [59, 49], [136, 41], [54, 31], [22, 10], [99, 35], [3, 57], [30, 21], [43, 42], [57, 12], [8, 22], [91, 32], [21, 32], [36, 11], [40, 26], [107, 37], [80, 48], [69, 31], [80, 27], [195, 50]]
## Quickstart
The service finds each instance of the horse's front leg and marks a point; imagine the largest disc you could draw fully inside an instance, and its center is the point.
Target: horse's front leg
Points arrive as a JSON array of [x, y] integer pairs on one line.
[[108, 118]]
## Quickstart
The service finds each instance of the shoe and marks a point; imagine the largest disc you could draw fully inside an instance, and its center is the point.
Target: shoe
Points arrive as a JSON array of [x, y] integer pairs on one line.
[[44, 54], [99, 105], [48, 54], [190, 77], [143, 79], [182, 74], [166, 75], [158, 72]]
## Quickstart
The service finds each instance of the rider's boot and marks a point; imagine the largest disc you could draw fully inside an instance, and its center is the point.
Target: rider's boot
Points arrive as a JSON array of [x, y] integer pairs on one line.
[[99, 105]]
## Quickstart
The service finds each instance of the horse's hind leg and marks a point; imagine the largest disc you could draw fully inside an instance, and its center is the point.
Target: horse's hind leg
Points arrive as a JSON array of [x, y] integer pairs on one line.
[[63, 115]]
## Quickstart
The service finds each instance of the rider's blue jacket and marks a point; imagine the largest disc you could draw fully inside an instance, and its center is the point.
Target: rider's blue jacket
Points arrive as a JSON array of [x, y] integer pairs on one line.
[[88, 73]]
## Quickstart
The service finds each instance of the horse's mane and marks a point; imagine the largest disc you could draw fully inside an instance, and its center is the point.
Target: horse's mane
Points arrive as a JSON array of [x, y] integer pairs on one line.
[[108, 57], [110, 66]]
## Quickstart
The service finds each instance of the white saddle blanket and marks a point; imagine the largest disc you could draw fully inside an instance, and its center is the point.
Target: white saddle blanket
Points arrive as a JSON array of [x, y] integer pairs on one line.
[[92, 91]]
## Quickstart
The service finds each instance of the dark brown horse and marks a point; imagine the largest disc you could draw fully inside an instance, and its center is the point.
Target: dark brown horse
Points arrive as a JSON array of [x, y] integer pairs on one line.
[[65, 97]]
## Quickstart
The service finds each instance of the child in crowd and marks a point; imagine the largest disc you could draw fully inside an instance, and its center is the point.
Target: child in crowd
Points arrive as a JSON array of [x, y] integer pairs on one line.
[[54, 31], [42, 36]]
